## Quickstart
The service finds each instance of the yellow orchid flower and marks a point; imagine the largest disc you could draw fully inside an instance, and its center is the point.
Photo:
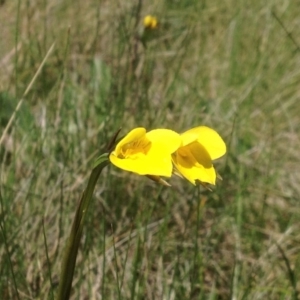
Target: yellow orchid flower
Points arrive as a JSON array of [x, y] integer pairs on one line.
[[150, 22], [146, 153], [193, 159]]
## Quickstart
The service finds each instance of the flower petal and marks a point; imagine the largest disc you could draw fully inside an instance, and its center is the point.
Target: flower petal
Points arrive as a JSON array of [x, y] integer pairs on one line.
[[208, 138], [147, 153], [144, 165], [194, 163], [189, 137], [133, 135], [164, 140]]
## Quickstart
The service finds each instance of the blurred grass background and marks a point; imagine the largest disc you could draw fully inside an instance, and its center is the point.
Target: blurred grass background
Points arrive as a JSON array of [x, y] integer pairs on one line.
[[233, 66]]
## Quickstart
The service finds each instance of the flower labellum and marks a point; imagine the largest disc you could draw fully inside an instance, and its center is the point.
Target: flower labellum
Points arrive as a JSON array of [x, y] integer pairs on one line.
[[146, 153], [193, 159]]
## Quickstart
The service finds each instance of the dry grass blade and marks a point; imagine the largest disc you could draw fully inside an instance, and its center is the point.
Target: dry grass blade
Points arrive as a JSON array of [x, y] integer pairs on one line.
[[25, 93]]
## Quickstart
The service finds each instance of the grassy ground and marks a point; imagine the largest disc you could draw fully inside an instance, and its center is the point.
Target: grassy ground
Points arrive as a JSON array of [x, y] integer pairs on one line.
[[230, 65]]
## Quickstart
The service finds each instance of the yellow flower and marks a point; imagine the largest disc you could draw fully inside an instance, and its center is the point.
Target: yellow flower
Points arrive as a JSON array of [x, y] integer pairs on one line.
[[193, 160], [150, 22], [146, 153]]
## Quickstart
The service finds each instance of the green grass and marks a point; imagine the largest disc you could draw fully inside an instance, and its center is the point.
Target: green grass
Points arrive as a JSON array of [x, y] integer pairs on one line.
[[231, 66]]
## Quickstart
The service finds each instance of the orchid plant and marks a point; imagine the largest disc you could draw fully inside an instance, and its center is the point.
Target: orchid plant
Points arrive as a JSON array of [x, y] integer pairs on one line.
[[159, 152]]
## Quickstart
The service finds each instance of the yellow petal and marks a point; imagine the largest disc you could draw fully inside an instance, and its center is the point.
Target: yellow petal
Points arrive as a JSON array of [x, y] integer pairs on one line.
[[189, 137], [144, 165], [208, 138], [146, 153], [194, 163], [164, 140], [133, 135]]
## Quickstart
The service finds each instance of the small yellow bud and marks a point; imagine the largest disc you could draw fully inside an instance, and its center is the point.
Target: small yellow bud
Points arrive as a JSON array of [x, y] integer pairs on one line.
[[150, 22]]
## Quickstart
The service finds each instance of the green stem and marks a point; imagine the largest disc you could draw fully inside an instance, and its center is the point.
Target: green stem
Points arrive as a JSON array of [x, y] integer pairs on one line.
[[70, 255]]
